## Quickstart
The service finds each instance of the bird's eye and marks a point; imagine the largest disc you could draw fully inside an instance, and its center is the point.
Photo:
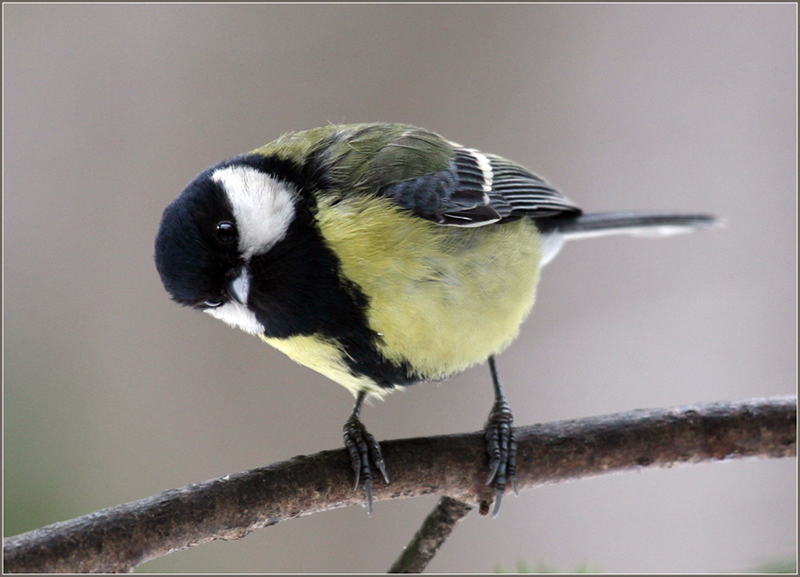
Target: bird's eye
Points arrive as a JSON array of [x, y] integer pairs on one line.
[[226, 232], [213, 303]]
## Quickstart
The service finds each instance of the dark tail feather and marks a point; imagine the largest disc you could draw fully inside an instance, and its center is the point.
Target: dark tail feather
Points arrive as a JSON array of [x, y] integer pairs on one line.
[[556, 230], [636, 223]]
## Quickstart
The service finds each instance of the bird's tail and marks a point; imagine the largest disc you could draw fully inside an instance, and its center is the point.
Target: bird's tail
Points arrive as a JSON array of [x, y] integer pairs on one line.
[[556, 230]]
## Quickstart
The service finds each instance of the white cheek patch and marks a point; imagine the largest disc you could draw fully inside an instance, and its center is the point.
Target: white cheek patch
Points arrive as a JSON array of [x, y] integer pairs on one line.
[[263, 207], [238, 316]]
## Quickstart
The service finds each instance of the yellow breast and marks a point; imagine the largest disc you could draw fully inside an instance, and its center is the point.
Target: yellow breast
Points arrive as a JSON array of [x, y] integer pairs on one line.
[[442, 298]]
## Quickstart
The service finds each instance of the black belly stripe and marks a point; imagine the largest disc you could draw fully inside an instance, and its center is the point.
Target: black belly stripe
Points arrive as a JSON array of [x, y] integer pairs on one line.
[[297, 289]]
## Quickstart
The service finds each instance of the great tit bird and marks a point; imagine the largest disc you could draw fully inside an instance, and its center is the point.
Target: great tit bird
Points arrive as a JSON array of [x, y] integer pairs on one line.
[[380, 255]]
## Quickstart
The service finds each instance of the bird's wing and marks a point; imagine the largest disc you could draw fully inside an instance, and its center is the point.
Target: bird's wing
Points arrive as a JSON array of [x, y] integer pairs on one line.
[[477, 189], [434, 178], [524, 192]]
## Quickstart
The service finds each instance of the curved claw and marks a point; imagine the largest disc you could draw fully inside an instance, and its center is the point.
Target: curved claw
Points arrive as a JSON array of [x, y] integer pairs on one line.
[[377, 458], [494, 465], [502, 448], [362, 447], [368, 490], [498, 498], [353, 445]]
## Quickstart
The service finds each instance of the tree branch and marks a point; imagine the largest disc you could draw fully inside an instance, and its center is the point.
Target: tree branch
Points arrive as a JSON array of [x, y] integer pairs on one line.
[[120, 538], [434, 531]]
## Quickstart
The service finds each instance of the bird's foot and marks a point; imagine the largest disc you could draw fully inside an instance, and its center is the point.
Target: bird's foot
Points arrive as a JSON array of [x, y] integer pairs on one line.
[[363, 448], [502, 447]]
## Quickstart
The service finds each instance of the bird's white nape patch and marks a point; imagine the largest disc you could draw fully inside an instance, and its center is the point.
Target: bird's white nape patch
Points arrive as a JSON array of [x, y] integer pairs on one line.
[[238, 316], [262, 205]]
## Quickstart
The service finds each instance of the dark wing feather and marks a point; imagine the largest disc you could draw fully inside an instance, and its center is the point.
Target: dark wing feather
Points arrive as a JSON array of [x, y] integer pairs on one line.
[[526, 193], [478, 189]]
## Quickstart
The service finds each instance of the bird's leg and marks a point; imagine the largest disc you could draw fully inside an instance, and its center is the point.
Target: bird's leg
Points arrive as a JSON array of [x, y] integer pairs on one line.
[[362, 447], [500, 442]]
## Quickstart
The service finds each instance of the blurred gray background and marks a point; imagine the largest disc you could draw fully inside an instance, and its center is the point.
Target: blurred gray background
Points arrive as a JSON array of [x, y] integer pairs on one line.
[[114, 393]]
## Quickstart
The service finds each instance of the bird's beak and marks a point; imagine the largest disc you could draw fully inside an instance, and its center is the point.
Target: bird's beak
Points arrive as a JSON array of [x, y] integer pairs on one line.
[[239, 287]]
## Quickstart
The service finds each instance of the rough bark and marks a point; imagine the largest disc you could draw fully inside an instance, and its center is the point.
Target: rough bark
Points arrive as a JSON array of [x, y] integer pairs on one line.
[[119, 538]]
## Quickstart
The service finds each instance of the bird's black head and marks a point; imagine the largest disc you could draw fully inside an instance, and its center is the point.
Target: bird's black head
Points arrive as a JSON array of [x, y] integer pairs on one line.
[[196, 249], [218, 240]]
